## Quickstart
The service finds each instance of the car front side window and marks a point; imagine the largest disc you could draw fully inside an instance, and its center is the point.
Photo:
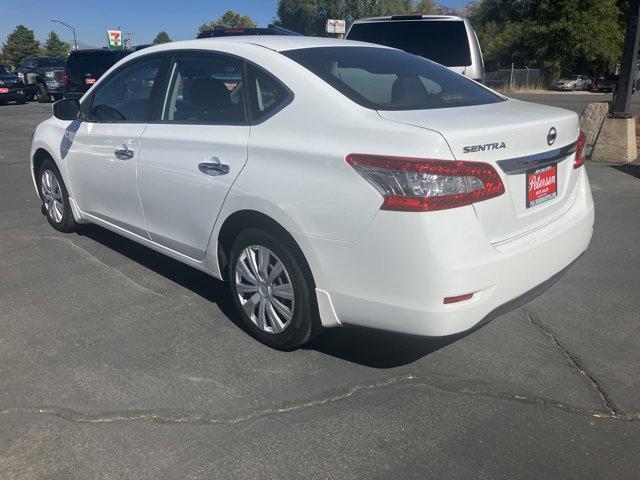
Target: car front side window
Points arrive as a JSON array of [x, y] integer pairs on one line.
[[125, 96]]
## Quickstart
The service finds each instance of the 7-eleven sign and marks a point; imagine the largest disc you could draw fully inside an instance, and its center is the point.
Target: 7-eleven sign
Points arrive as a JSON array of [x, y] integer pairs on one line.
[[115, 39]]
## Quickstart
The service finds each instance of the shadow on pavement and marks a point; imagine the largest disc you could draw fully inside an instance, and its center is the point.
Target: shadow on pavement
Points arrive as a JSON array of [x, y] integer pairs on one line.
[[629, 169], [372, 348]]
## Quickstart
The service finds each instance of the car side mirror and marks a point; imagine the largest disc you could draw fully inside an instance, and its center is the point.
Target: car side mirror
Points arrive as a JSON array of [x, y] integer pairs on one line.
[[66, 109]]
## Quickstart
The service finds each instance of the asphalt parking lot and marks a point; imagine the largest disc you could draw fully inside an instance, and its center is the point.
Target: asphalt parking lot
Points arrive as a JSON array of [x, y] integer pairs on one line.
[[119, 363], [575, 101]]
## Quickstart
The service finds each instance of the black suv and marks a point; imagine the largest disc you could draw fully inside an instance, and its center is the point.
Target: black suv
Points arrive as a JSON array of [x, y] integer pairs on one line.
[[85, 67], [43, 77], [11, 87]]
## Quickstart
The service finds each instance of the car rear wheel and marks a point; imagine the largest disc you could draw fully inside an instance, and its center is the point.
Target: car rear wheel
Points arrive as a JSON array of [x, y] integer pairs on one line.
[[272, 295], [55, 199]]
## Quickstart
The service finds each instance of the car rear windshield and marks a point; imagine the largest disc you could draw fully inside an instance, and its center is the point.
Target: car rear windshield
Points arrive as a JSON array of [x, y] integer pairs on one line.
[[95, 63], [51, 62], [4, 71], [389, 79], [443, 41]]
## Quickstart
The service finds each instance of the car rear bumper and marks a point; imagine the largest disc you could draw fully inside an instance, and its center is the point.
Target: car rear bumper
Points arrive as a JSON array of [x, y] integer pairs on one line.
[[15, 94], [397, 276]]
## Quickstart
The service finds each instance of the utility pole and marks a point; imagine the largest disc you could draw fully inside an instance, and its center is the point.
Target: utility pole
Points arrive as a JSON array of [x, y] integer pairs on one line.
[[629, 64], [129, 39], [73, 30]]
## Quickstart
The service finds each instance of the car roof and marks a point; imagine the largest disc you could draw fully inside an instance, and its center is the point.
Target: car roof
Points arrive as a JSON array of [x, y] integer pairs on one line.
[[281, 43], [400, 18], [96, 50]]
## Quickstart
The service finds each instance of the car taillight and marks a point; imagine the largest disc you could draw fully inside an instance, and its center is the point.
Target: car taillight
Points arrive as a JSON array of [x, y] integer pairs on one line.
[[580, 147], [65, 79], [425, 185]]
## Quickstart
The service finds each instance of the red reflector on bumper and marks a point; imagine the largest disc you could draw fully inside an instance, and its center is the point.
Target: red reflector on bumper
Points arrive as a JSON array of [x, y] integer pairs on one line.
[[459, 298]]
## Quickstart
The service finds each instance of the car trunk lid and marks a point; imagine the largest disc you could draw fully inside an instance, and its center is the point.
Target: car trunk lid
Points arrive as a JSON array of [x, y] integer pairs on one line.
[[515, 137]]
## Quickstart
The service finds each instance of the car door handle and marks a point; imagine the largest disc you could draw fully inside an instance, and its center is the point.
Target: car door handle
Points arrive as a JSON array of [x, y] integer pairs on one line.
[[213, 169], [124, 153]]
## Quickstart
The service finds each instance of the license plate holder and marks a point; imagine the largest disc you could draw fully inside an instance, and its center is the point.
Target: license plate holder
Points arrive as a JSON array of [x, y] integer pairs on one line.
[[4, 90], [542, 184]]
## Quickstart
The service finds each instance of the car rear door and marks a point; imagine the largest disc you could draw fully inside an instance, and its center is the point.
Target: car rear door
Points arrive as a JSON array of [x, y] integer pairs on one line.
[[194, 150], [103, 149]]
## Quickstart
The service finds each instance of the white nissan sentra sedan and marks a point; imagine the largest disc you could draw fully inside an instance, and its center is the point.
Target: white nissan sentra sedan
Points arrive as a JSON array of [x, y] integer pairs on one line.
[[328, 182]]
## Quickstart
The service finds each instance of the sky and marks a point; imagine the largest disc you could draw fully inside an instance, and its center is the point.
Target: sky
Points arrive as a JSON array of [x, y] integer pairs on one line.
[[144, 18]]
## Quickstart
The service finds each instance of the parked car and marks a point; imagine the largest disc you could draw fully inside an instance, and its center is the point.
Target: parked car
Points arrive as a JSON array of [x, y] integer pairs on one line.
[[11, 87], [43, 77], [329, 182], [447, 40], [85, 67], [572, 83], [241, 31], [605, 84]]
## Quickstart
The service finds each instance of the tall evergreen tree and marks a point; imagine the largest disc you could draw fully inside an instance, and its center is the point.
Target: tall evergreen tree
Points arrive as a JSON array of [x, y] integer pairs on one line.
[[162, 37], [20, 44], [54, 47]]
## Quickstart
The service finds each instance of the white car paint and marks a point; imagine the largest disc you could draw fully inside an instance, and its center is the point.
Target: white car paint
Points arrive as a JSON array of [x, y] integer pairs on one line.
[[384, 269]]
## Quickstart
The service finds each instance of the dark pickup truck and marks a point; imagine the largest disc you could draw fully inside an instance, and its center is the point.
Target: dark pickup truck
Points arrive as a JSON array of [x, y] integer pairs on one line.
[[43, 77], [85, 67]]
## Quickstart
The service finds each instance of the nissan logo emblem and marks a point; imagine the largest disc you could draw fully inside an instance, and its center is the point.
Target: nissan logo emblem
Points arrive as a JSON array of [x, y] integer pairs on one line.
[[551, 136]]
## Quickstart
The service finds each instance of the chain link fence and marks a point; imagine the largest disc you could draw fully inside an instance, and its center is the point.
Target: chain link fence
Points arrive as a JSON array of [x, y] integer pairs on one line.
[[507, 79]]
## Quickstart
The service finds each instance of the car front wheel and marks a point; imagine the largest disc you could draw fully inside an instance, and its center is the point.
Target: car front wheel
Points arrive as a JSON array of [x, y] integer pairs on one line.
[[55, 199], [271, 293]]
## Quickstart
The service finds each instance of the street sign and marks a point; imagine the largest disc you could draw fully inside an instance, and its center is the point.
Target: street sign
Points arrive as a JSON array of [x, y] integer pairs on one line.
[[336, 26], [115, 40]]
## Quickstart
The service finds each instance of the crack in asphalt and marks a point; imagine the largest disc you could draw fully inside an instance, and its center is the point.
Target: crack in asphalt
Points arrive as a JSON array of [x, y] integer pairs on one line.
[[608, 403], [195, 418]]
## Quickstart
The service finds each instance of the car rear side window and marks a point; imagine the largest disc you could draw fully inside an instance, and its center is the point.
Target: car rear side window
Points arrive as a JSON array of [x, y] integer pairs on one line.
[[389, 79], [443, 41], [205, 88], [124, 96], [267, 94]]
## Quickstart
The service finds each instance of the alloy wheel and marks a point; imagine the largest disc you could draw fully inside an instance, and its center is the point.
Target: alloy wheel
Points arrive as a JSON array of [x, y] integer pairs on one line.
[[264, 288], [52, 196]]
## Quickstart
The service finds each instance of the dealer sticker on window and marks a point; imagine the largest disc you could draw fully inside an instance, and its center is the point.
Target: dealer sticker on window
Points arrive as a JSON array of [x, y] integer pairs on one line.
[[542, 185]]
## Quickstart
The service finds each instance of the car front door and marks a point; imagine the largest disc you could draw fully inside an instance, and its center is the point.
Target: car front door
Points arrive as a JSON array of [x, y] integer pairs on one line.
[[194, 151], [104, 149]]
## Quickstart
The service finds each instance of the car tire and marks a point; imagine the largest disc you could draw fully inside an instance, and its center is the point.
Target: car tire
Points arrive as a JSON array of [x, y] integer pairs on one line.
[[42, 94], [263, 303], [55, 198]]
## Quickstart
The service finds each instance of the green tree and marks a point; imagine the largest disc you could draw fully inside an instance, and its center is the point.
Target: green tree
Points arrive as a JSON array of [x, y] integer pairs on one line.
[[560, 36], [427, 7], [20, 44], [162, 37], [310, 17], [229, 19], [54, 47]]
